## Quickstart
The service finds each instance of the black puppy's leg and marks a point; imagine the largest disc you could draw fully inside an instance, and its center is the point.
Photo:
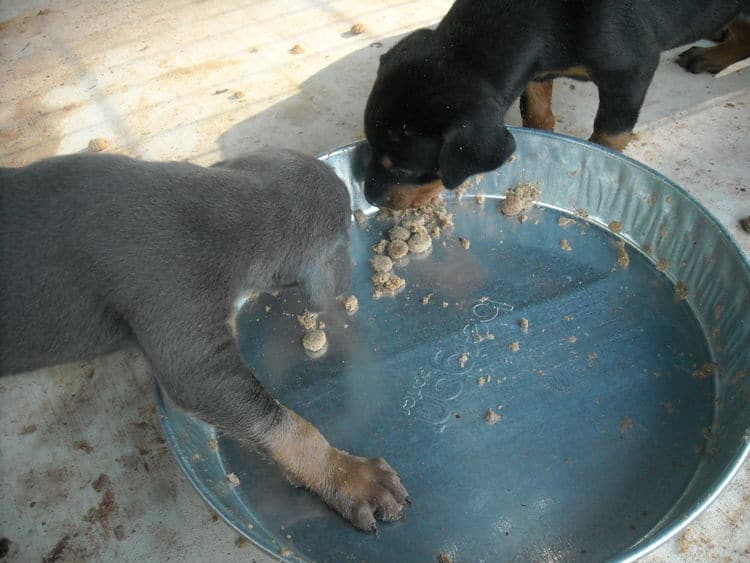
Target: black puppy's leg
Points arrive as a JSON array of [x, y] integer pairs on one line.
[[714, 59], [197, 363], [620, 99], [536, 106]]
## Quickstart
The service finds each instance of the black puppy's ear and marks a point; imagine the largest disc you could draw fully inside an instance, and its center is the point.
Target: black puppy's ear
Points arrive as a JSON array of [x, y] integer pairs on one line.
[[475, 143]]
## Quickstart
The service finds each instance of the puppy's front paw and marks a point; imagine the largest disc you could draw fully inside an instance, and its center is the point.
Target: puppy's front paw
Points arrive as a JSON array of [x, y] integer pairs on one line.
[[364, 490], [703, 59]]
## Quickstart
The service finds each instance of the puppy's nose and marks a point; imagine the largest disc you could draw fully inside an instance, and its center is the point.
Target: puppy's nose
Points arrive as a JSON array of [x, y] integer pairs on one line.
[[375, 193]]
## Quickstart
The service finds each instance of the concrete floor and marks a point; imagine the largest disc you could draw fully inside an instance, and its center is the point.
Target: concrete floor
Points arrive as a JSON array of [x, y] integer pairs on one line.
[[206, 80]]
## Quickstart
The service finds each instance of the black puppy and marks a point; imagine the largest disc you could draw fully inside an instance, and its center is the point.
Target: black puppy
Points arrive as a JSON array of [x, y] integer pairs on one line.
[[100, 252], [435, 113]]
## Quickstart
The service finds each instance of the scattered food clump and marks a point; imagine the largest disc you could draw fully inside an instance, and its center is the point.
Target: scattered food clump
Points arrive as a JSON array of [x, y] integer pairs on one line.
[[519, 199], [308, 320], [297, 49], [444, 558], [233, 479], [389, 286], [98, 144], [357, 28], [463, 358], [399, 233], [381, 263], [662, 265], [524, 324], [492, 417], [566, 221], [626, 424], [568, 317], [350, 303], [397, 249], [709, 368], [213, 444], [484, 380], [361, 217], [466, 243], [419, 242], [426, 298], [681, 290], [514, 346], [314, 340], [572, 339], [582, 213], [238, 95], [622, 256], [615, 227], [479, 198], [565, 245]]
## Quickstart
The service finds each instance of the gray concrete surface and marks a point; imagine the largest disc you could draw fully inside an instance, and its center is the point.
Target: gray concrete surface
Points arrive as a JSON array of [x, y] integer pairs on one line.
[[205, 80]]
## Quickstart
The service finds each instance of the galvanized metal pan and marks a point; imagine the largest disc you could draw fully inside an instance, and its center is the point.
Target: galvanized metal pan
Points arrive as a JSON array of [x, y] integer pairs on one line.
[[624, 411]]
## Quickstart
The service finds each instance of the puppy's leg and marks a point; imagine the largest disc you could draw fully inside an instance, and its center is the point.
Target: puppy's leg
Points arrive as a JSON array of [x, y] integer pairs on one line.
[[735, 47], [197, 363], [536, 106], [620, 98]]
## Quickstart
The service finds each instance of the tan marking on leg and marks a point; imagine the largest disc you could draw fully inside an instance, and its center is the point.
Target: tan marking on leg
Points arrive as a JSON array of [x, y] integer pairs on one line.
[[402, 196], [735, 48], [360, 489], [536, 106], [386, 162], [616, 142], [578, 71]]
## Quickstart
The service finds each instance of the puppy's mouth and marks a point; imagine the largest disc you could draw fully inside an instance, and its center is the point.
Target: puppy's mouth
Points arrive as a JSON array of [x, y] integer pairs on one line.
[[420, 194]]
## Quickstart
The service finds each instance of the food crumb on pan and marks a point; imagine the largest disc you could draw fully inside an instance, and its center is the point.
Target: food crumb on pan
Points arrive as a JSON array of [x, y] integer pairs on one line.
[[566, 221], [397, 249], [308, 320], [233, 479], [709, 368], [466, 243], [568, 317], [626, 424], [492, 417], [350, 303], [622, 256], [523, 322], [615, 227], [479, 198], [463, 358], [514, 346], [662, 265], [582, 213], [284, 552], [519, 199], [669, 407], [565, 245], [445, 304], [380, 247], [213, 444], [98, 144], [419, 242], [426, 298], [444, 558], [484, 380], [361, 217], [681, 290], [381, 263], [572, 339], [399, 232], [314, 340]]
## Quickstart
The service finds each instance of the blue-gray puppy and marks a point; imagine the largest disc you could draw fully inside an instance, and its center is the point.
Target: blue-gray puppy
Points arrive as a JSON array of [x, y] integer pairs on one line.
[[100, 252]]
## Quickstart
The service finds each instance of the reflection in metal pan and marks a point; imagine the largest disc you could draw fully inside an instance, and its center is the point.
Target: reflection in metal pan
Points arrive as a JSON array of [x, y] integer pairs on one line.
[[616, 430]]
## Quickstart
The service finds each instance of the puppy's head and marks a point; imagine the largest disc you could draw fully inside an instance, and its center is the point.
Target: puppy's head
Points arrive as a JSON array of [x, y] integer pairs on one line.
[[431, 123]]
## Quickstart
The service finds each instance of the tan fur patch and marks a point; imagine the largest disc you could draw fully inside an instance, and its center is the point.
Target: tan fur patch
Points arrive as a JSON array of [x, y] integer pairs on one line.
[[616, 142], [386, 163], [536, 106], [402, 196]]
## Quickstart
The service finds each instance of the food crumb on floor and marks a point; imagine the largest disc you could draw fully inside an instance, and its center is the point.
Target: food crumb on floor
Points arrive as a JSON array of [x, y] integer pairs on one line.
[[297, 49], [626, 424], [241, 541], [358, 28], [492, 417]]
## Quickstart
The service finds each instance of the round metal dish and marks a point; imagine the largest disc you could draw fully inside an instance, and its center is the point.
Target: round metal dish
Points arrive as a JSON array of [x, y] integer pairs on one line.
[[624, 412]]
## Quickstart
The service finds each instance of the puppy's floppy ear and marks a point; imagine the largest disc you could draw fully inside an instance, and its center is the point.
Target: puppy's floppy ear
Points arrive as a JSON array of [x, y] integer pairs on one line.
[[474, 143]]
